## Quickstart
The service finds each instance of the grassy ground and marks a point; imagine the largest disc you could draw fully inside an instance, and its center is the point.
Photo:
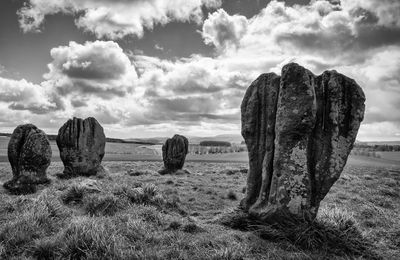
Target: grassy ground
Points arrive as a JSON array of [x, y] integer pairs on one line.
[[134, 213]]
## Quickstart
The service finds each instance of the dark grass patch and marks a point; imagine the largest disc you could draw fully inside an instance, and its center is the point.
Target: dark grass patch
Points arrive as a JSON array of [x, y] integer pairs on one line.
[[73, 194], [192, 228], [103, 204], [34, 219], [91, 238], [232, 195], [333, 232]]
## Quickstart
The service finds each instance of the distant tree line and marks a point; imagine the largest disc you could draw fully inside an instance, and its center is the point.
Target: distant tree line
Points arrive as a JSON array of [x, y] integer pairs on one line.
[[378, 147], [199, 149], [215, 143]]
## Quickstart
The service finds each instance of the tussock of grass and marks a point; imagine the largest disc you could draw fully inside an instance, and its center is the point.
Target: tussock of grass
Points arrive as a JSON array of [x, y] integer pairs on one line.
[[29, 221], [334, 232], [148, 194], [91, 238], [192, 228], [103, 204], [73, 194]]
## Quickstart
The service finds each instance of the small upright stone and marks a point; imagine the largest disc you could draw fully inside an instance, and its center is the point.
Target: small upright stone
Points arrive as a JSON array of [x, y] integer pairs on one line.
[[29, 153], [81, 144], [174, 153]]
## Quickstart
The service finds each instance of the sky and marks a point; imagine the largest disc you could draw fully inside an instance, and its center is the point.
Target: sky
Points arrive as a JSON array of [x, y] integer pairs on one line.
[[146, 68]]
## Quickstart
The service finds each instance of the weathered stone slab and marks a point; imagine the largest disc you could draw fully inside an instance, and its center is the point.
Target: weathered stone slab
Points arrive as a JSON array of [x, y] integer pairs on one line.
[[314, 123], [29, 153], [174, 154], [82, 146], [258, 129]]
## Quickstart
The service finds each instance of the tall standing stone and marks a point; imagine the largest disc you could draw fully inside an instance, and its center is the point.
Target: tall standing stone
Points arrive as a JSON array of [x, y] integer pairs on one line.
[[29, 153], [299, 142], [174, 153], [258, 129], [81, 144]]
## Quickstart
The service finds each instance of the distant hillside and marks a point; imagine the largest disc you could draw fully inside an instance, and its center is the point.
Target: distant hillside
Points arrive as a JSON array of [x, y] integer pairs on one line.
[[108, 140], [383, 143], [237, 139]]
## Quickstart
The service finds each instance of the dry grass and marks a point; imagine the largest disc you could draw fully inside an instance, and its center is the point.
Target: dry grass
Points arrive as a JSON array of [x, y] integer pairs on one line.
[[149, 216]]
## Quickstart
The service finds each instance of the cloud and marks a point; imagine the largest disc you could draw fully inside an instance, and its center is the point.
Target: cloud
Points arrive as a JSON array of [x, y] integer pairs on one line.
[[23, 95], [136, 95], [95, 68], [223, 30], [379, 76], [115, 18], [387, 12], [343, 32]]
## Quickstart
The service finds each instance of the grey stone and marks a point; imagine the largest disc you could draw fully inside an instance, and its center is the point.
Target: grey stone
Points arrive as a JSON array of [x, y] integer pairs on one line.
[[29, 153], [82, 147], [299, 129], [174, 153]]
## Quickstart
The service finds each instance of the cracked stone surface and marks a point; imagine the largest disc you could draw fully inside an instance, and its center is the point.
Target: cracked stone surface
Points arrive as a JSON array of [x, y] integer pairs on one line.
[[81, 144], [299, 130]]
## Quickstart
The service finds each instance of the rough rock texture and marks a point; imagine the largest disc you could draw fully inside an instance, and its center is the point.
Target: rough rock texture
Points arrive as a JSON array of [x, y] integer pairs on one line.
[[299, 129], [29, 153], [174, 153], [81, 144]]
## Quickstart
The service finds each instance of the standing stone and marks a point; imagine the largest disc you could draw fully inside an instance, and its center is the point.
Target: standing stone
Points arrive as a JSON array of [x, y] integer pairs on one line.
[[29, 153], [258, 129], [298, 140], [174, 153], [81, 144]]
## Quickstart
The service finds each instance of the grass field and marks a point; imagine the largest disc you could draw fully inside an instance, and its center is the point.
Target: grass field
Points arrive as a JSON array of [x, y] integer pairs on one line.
[[134, 213]]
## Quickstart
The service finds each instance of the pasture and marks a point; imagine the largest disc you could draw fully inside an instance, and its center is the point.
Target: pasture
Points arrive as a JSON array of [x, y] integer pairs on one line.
[[134, 213]]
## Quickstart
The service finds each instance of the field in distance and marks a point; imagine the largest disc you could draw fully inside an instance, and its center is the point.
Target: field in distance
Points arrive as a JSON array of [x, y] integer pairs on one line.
[[140, 152]]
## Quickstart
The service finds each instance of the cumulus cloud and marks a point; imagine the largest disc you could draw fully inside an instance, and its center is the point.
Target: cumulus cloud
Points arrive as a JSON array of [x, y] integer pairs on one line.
[[23, 95], [358, 38], [115, 18], [99, 68], [191, 90], [202, 95], [386, 12], [223, 30], [341, 32]]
